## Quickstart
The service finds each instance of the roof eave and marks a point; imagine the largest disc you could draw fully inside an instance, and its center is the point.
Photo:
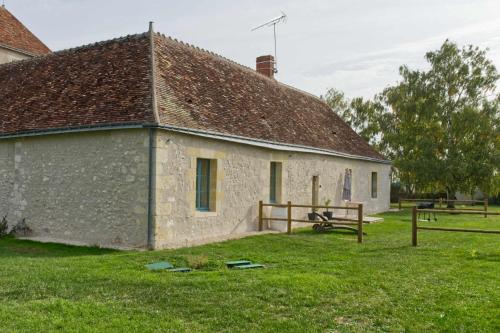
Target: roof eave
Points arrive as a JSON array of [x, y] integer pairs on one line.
[[270, 144], [207, 134], [14, 49]]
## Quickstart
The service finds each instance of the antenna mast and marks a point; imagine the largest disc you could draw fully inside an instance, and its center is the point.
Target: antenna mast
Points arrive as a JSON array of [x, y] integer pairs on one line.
[[273, 23]]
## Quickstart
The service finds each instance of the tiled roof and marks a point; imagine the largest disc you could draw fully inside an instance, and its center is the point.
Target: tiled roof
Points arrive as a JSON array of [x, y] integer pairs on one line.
[[109, 83], [105, 83], [200, 90], [15, 35]]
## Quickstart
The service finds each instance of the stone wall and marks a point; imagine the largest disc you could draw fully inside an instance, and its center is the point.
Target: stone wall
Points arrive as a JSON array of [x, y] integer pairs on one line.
[[243, 176], [92, 187], [83, 188], [7, 55]]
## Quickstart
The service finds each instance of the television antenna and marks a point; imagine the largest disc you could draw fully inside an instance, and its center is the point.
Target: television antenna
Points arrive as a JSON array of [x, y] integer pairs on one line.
[[273, 22]]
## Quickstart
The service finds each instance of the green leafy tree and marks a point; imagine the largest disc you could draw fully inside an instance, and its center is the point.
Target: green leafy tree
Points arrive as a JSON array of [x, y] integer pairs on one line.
[[440, 126], [461, 85], [362, 115]]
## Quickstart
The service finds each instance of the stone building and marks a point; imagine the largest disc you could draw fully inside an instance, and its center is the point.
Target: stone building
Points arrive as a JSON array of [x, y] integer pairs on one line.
[[148, 142]]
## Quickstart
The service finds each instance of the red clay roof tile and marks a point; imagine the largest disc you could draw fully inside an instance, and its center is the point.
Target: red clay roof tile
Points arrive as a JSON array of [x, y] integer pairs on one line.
[[15, 35]]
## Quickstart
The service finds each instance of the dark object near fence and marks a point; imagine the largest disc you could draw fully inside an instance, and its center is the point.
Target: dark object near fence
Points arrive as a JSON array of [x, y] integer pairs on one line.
[[337, 221], [442, 201], [415, 227], [328, 215], [426, 205]]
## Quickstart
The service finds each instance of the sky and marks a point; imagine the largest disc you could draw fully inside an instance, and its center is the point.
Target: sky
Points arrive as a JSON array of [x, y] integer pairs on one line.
[[355, 46]]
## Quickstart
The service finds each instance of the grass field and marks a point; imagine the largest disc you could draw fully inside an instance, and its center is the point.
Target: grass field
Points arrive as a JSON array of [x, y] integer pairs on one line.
[[312, 283]]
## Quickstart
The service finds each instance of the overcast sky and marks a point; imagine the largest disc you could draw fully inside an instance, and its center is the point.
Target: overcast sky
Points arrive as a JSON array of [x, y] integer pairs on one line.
[[352, 45]]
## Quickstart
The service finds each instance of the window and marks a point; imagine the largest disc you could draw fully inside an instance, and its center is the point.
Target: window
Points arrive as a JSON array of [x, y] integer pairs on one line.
[[203, 184], [275, 183], [374, 184]]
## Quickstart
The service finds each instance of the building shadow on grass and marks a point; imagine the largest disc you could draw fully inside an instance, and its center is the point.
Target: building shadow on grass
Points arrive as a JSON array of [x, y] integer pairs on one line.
[[309, 232], [11, 247]]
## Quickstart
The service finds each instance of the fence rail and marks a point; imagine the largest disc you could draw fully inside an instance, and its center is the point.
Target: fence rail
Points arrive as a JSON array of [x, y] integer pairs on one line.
[[442, 201], [415, 227], [340, 221]]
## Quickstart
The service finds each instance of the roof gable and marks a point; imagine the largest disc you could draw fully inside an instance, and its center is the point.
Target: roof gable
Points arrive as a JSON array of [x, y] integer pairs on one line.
[[14, 34]]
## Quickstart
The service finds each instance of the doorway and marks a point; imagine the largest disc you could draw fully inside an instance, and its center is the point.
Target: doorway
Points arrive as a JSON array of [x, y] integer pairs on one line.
[[315, 190]]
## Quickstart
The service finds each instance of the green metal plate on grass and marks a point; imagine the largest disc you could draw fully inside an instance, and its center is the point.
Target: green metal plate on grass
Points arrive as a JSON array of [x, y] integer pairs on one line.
[[234, 263], [159, 265], [249, 266]]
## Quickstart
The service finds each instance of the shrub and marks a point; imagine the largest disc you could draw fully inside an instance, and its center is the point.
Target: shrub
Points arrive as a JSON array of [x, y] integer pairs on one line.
[[21, 229], [4, 227], [197, 262]]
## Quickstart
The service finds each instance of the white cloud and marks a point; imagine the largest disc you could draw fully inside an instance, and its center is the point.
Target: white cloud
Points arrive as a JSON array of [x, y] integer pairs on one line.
[[353, 45]]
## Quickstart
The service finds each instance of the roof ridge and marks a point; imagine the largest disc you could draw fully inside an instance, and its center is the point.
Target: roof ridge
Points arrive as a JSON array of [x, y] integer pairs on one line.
[[74, 49], [197, 48], [246, 68], [218, 56]]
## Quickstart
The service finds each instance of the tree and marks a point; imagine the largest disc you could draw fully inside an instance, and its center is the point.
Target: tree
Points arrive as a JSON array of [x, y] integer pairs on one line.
[[410, 133], [460, 84], [440, 127], [362, 115]]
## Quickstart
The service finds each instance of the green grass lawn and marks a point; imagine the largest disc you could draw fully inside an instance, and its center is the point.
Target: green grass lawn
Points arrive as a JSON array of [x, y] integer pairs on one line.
[[312, 283]]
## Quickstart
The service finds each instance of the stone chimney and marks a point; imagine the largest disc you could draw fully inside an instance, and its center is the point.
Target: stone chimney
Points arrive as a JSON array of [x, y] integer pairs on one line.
[[265, 65]]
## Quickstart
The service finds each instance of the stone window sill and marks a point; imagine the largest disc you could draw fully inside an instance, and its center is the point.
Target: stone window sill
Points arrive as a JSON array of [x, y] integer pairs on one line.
[[200, 213]]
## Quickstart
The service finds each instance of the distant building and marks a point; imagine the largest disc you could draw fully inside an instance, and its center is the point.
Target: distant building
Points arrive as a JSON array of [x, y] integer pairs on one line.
[[16, 41], [145, 141]]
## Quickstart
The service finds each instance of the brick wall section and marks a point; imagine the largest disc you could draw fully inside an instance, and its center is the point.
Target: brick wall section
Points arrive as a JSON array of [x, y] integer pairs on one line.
[[265, 65], [105, 83], [14, 34], [201, 90]]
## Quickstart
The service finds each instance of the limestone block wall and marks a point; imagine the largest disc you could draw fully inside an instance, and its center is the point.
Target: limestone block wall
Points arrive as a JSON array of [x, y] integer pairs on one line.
[[243, 178], [7, 176], [7, 55], [83, 188]]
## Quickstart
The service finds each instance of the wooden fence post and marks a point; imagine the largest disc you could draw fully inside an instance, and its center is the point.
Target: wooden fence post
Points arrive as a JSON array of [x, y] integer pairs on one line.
[[289, 218], [414, 226], [399, 202], [485, 206], [261, 222], [360, 223], [440, 202]]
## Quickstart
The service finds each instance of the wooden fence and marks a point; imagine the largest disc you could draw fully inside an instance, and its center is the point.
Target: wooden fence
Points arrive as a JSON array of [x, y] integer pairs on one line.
[[340, 221], [415, 227], [441, 201]]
